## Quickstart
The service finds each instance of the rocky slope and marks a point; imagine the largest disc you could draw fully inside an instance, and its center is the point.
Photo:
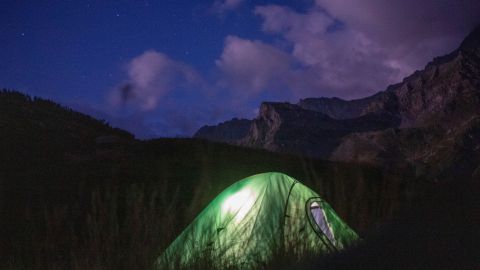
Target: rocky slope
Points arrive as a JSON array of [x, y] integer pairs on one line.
[[429, 122], [338, 108], [439, 108], [289, 128]]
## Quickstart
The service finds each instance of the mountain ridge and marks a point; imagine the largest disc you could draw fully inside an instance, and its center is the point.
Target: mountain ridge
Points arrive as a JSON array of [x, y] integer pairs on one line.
[[433, 109]]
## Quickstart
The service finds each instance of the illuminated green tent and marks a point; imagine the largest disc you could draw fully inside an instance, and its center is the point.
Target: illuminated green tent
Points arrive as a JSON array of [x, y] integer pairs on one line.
[[254, 219]]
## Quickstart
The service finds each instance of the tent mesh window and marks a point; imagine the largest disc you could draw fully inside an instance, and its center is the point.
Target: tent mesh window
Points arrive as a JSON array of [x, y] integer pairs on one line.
[[317, 215]]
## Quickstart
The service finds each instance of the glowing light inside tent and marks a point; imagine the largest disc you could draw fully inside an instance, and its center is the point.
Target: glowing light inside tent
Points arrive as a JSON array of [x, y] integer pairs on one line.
[[239, 204]]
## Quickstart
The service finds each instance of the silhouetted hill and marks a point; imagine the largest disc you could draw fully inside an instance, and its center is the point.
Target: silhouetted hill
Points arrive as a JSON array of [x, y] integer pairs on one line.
[[41, 129], [229, 131]]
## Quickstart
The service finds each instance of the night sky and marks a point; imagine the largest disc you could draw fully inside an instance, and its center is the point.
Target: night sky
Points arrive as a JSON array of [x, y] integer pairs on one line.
[[165, 68]]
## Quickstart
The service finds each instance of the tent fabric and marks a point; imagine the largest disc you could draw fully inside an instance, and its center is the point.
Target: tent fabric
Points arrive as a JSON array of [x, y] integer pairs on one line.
[[252, 220]]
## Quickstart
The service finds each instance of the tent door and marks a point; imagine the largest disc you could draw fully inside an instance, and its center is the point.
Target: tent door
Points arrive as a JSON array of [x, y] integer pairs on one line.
[[319, 222]]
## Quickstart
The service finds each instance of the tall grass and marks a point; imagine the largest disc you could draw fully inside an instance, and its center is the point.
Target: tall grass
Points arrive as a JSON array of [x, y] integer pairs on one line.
[[120, 229], [125, 223], [125, 226]]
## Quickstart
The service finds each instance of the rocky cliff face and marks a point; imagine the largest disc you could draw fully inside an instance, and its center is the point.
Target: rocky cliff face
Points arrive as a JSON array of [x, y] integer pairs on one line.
[[429, 122], [289, 128], [439, 108], [338, 108]]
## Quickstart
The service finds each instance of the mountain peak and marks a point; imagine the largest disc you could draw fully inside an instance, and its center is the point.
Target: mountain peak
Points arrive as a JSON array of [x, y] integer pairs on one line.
[[472, 41]]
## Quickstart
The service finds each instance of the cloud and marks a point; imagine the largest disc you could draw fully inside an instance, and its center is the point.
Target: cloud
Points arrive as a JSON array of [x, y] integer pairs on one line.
[[151, 76], [341, 63], [412, 31], [279, 19], [334, 48], [222, 6], [251, 66], [350, 49], [167, 98], [397, 22]]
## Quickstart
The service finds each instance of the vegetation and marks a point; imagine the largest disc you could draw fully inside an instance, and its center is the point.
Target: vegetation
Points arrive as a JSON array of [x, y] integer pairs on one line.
[[440, 231], [79, 194]]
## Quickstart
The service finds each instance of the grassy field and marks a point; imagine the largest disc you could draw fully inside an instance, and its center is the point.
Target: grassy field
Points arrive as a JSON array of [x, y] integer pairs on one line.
[[78, 194]]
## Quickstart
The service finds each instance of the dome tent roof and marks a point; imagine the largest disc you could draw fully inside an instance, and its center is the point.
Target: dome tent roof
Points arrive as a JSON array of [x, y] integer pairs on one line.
[[250, 221]]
